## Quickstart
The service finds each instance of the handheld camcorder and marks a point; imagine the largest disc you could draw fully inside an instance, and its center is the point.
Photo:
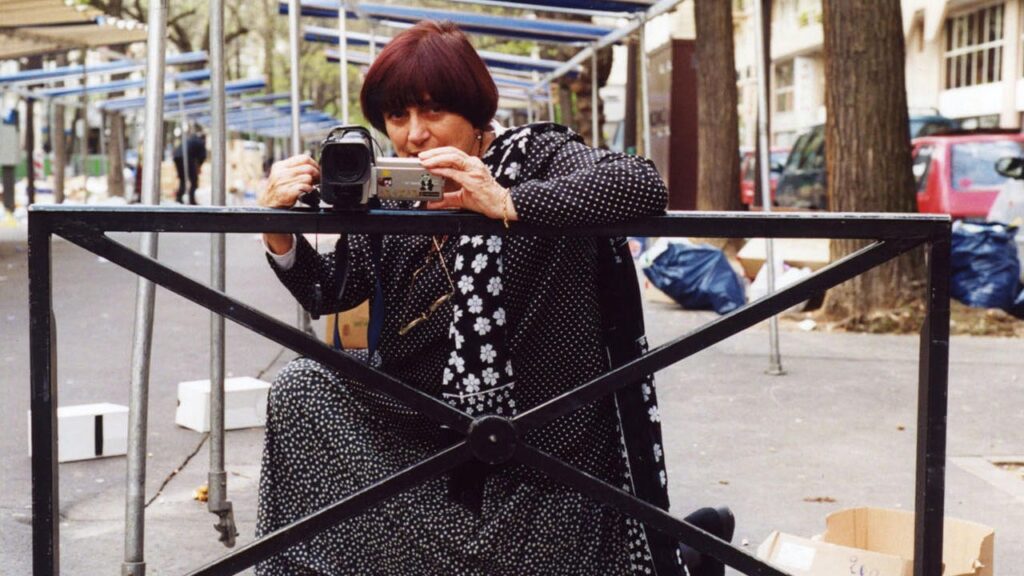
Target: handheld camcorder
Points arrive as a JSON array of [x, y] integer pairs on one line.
[[351, 174]]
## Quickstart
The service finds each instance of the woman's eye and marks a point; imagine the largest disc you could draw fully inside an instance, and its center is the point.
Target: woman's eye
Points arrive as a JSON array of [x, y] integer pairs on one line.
[[394, 114]]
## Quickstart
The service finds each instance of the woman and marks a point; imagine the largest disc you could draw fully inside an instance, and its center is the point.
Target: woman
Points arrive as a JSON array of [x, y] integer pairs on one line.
[[492, 325]]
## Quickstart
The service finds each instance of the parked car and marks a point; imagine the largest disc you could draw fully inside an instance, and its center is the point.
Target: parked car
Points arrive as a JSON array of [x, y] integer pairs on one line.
[[802, 184], [748, 163], [956, 173]]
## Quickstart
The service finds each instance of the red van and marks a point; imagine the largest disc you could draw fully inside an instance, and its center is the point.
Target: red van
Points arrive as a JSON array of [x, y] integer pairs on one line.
[[955, 173]]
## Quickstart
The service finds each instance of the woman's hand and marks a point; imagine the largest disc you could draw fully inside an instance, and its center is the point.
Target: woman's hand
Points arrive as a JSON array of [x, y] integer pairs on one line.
[[478, 191], [289, 179]]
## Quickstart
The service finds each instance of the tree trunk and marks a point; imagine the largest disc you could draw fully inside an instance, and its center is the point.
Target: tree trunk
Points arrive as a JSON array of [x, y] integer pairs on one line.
[[867, 142], [718, 140], [115, 154], [60, 143]]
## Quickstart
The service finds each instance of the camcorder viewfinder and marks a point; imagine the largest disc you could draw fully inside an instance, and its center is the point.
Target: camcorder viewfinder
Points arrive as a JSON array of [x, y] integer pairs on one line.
[[351, 174]]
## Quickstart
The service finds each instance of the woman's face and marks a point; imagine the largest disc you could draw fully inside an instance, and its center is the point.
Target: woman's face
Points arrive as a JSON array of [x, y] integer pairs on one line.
[[428, 126]]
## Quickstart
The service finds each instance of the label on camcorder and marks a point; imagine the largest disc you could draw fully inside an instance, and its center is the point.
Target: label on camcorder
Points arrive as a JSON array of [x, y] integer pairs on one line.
[[406, 179]]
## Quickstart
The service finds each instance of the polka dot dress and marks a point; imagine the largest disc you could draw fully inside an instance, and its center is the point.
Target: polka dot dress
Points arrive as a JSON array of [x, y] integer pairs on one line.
[[328, 436]]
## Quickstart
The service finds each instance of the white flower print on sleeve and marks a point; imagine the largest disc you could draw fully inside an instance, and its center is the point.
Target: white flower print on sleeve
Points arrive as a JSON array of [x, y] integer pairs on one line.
[[479, 263], [493, 244], [457, 361], [653, 413], [448, 375], [490, 376], [512, 170], [456, 313], [459, 340], [657, 452], [493, 285], [487, 353], [459, 261], [471, 384], [476, 304], [482, 325], [466, 284], [499, 316], [477, 240]]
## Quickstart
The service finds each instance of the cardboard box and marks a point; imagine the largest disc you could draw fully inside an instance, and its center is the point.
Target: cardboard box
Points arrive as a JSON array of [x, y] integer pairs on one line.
[[88, 431], [245, 404], [353, 326], [967, 549], [803, 557], [880, 542], [810, 253]]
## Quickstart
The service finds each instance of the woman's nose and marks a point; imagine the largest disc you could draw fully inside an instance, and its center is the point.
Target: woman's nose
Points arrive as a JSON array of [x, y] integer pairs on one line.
[[419, 132]]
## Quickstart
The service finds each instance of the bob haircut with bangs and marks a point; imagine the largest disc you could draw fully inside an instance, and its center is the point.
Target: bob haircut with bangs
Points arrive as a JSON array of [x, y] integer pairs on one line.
[[432, 62]]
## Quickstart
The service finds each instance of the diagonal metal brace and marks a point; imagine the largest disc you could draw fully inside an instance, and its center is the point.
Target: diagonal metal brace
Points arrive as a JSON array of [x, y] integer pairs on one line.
[[215, 301], [714, 332]]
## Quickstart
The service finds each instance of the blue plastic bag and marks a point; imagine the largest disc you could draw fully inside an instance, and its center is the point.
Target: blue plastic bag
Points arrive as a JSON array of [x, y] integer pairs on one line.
[[984, 264], [697, 277]]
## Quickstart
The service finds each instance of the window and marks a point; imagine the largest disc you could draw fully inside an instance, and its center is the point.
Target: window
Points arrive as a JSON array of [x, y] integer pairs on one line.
[[974, 163], [974, 48], [920, 166], [783, 87]]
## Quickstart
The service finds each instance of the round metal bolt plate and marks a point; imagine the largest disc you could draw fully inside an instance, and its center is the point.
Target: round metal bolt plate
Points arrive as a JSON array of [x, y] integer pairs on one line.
[[493, 439]]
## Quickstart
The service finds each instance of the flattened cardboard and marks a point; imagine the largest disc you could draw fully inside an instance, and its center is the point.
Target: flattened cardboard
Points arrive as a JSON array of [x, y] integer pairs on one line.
[[803, 557]]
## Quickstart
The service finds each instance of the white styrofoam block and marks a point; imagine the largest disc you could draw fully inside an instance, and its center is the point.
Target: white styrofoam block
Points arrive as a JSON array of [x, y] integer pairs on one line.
[[89, 431], [245, 404]]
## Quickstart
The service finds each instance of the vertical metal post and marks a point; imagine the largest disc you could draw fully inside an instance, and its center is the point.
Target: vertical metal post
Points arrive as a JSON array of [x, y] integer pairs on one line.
[[373, 43], [138, 402], [595, 139], [302, 318], [343, 59], [217, 480], [529, 108], [43, 375], [551, 103], [183, 126], [645, 101], [933, 387], [775, 357]]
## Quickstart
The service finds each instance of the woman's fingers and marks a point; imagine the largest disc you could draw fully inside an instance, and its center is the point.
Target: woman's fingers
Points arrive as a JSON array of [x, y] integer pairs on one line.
[[450, 201]]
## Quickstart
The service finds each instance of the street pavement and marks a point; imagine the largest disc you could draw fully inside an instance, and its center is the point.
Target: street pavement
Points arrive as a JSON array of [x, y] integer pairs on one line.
[[836, 431]]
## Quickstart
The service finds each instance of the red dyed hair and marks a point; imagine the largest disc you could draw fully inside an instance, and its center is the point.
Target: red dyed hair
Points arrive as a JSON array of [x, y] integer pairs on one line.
[[430, 62]]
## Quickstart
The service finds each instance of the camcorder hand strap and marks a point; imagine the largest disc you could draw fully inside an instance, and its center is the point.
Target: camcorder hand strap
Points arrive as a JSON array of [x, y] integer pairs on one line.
[[377, 306], [341, 266]]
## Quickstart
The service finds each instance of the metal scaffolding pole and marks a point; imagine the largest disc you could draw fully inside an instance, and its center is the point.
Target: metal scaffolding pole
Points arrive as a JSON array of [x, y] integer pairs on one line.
[[135, 495], [775, 357], [645, 97], [343, 60], [302, 318], [217, 501]]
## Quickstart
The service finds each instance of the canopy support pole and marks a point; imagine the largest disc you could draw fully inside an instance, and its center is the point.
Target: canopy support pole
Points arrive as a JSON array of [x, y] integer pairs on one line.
[[138, 403], [774, 357], [302, 318]]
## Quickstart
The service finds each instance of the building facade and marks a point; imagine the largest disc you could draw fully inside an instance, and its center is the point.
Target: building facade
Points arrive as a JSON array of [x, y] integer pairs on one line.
[[963, 60]]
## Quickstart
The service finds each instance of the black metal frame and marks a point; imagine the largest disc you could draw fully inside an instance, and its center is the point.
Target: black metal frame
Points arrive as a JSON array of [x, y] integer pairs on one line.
[[492, 438]]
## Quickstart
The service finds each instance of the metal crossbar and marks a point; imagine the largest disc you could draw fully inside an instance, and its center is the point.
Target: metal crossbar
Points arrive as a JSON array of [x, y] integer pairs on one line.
[[491, 438]]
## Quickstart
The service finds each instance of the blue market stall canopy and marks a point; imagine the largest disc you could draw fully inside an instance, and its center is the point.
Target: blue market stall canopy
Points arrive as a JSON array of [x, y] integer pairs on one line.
[[191, 76], [172, 99], [472, 22], [39, 76], [494, 60], [618, 6]]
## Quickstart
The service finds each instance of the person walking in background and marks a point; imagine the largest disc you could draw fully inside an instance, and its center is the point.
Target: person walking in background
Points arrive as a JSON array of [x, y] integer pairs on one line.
[[194, 150]]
